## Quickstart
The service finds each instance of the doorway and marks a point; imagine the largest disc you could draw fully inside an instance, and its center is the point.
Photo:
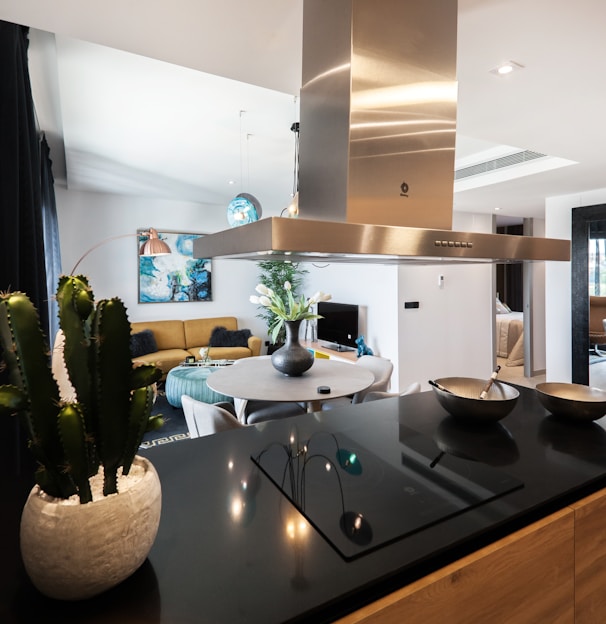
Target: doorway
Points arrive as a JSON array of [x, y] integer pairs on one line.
[[587, 221], [510, 280], [517, 283]]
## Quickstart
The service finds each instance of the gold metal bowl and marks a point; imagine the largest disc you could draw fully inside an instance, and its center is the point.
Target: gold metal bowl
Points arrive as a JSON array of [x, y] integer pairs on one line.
[[461, 398], [572, 401]]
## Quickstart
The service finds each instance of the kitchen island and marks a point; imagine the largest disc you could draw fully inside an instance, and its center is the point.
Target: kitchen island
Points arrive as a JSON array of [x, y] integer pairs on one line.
[[232, 547]]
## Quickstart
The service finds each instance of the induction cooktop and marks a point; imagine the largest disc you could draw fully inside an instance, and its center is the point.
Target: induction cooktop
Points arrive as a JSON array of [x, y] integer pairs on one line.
[[359, 501]]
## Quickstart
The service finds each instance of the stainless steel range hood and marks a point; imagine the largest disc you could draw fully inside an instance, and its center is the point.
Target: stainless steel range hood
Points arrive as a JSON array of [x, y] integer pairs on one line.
[[377, 141]]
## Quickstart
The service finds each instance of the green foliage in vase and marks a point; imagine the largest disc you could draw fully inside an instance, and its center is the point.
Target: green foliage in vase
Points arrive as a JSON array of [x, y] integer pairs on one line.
[[274, 274], [105, 423]]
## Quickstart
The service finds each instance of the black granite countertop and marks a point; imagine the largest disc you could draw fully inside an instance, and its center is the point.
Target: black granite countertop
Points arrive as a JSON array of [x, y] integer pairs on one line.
[[232, 548]]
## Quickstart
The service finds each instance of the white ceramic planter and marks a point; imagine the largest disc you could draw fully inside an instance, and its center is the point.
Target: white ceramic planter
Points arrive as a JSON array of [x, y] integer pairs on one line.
[[73, 551]]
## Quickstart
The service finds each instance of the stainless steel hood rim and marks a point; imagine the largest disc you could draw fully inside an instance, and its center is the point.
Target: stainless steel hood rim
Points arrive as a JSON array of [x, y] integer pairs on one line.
[[331, 241]]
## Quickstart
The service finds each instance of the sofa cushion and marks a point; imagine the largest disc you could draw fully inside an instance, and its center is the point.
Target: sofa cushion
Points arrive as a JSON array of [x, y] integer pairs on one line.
[[142, 343], [222, 337], [164, 360], [198, 331], [168, 334]]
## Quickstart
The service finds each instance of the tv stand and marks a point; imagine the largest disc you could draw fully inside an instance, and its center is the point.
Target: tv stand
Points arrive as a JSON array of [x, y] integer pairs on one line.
[[336, 352], [338, 347]]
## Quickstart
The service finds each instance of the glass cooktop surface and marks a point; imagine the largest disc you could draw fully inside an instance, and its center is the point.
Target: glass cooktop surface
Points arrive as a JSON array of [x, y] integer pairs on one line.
[[358, 501]]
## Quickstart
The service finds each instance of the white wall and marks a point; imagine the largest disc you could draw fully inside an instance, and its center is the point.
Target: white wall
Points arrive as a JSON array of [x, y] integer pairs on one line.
[[374, 288], [88, 218], [450, 334]]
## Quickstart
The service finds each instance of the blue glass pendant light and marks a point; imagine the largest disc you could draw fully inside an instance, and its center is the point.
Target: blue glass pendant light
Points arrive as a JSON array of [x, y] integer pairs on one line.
[[242, 209]]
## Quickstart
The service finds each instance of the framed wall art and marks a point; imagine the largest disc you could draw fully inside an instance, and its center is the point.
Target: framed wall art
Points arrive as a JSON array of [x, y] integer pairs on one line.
[[177, 277]]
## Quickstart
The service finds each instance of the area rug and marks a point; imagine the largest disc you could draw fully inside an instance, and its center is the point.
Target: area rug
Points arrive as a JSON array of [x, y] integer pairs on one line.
[[596, 359], [174, 428]]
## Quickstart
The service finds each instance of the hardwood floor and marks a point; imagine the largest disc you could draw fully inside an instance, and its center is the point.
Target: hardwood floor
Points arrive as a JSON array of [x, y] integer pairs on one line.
[[515, 374], [597, 375]]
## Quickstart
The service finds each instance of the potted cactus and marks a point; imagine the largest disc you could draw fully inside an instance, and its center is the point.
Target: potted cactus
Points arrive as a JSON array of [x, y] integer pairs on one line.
[[72, 541]]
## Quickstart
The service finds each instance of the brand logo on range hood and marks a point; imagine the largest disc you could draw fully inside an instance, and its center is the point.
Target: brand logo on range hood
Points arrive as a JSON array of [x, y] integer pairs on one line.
[[378, 113]]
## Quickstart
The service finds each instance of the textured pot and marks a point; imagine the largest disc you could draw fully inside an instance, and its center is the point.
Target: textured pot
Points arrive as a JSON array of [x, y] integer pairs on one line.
[[73, 551], [292, 359]]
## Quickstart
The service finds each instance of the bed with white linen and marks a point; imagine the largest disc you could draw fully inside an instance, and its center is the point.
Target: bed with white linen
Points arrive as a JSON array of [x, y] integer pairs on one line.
[[510, 337]]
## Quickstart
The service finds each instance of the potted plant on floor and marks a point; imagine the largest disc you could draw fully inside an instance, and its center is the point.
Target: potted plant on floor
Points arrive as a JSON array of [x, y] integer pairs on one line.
[[93, 514], [273, 274]]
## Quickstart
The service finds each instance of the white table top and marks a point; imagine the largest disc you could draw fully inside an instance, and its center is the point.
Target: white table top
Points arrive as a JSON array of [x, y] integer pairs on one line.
[[255, 378]]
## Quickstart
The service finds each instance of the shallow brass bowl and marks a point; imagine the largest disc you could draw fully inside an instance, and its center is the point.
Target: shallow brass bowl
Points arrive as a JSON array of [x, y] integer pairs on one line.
[[463, 399], [572, 401]]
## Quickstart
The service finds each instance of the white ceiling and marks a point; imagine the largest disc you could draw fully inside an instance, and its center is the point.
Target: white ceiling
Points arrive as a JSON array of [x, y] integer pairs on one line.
[[146, 97]]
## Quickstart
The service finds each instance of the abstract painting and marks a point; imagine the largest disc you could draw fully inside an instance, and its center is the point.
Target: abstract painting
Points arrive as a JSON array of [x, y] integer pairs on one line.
[[176, 277]]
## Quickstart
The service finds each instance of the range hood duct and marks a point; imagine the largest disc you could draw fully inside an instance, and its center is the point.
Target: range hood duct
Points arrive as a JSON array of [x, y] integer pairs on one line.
[[376, 147]]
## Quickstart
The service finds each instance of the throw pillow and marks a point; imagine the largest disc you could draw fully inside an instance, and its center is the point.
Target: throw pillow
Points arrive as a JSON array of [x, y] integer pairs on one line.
[[142, 343], [222, 337]]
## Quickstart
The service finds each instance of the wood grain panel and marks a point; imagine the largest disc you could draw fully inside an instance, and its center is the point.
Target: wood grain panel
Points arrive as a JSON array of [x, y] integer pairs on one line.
[[525, 578], [590, 559]]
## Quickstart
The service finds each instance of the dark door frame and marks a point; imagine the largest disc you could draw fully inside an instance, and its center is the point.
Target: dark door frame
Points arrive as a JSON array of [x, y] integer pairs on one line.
[[582, 219]]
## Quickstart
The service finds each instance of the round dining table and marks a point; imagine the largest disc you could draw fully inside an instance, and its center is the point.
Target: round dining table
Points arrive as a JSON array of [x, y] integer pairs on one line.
[[255, 378]]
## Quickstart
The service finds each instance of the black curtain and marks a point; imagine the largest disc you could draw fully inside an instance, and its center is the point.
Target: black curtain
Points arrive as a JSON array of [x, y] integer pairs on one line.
[[22, 263], [22, 253]]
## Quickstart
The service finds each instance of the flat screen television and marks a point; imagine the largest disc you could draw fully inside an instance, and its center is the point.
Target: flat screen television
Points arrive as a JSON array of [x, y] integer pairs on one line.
[[339, 323]]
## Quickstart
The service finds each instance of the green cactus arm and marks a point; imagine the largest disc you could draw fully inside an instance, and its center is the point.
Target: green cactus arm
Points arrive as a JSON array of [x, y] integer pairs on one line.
[[72, 432], [27, 356], [76, 305], [140, 408], [113, 373], [144, 375], [12, 400]]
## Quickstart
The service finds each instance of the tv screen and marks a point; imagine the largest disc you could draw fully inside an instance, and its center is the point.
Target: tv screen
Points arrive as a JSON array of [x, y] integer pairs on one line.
[[339, 323]]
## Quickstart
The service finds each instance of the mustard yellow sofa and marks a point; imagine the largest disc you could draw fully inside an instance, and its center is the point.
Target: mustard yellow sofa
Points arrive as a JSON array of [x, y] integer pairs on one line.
[[175, 340]]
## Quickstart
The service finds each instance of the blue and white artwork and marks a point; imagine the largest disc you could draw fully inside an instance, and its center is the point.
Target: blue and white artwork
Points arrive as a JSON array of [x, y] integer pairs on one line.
[[175, 277]]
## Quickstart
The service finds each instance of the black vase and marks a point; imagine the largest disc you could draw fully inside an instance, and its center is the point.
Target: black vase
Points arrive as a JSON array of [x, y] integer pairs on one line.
[[292, 359]]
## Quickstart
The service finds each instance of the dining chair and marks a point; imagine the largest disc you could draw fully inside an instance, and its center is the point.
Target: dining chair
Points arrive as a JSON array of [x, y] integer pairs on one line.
[[381, 368], [597, 315], [207, 418], [260, 411], [376, 395]]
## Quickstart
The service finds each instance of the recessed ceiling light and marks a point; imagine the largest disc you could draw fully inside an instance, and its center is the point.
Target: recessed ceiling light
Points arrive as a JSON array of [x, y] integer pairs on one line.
[[497, 208], [506, 68]]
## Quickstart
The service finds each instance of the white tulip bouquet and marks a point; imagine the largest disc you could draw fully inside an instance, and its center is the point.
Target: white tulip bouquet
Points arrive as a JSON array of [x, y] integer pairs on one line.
[[289, 310]]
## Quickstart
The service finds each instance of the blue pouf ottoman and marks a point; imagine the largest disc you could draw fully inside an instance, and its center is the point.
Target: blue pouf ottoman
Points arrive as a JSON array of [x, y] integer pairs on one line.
[[191, 380]]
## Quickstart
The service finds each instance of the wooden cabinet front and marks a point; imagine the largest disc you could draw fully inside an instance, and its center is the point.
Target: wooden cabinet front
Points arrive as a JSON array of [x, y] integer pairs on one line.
[[590, 559], [525, 578]]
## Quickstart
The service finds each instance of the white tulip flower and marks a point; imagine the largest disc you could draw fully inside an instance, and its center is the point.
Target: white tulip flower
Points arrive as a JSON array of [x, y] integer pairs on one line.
[[264, 290]]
